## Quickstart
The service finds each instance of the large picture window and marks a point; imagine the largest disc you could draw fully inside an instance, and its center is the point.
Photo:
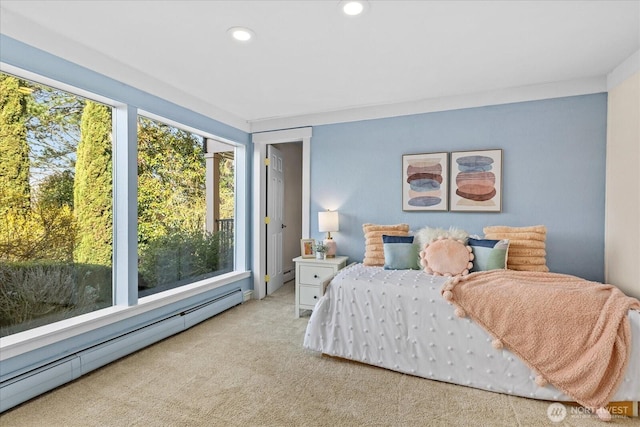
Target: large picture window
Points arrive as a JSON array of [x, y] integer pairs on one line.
[[57, 175], [185, 207], [56, 222]]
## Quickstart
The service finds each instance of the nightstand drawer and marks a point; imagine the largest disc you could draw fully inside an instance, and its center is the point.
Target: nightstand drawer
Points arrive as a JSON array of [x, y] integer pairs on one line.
[[311, 275], [314, 275], [309, 295]]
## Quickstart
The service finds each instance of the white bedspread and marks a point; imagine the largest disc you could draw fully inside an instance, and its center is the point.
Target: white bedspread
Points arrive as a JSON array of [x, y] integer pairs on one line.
[[397, 319]]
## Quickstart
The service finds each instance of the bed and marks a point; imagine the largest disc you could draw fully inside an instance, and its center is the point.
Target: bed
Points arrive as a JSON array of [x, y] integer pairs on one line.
[[399, 320]]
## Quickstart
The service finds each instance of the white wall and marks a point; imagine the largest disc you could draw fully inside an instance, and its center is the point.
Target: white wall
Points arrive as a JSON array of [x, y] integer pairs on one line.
[[622, 206]]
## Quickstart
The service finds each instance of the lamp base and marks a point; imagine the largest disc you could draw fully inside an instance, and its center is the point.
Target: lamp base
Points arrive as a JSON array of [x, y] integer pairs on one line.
[[331, 248]]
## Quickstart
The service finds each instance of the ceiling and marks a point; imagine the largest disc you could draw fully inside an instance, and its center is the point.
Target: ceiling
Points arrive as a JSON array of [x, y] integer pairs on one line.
[[308, 58]]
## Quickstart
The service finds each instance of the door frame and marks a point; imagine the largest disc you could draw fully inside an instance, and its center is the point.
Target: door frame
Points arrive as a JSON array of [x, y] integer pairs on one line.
[[259, 241]]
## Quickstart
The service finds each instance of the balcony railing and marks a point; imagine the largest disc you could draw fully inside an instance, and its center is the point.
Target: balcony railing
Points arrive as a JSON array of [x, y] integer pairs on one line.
[[225, 229]]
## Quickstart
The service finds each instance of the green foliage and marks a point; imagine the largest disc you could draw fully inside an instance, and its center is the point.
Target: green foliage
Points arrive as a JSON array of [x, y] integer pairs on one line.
[[37, 293], [15, 191], [180, 255], [53, 129], [171, 181], [92, 193], [43, 233], [29, 230], [56, 190], [172, 248]]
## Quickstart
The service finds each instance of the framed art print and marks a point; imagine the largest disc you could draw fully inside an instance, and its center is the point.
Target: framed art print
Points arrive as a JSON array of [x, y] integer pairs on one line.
[[476, 181], [425, 180], [307, 248]]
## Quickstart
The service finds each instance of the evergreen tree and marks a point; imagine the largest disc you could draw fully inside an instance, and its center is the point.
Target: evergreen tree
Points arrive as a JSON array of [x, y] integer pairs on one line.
[[92, 192], [14, 150], [31, 228], [56, 190], [53, 129]]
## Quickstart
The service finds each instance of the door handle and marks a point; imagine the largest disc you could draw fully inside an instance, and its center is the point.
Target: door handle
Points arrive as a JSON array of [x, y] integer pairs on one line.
[[283, 226]]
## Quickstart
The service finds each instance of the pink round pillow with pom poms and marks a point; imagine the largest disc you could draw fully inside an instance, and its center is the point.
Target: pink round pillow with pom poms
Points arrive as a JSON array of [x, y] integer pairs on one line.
[[447, 257]]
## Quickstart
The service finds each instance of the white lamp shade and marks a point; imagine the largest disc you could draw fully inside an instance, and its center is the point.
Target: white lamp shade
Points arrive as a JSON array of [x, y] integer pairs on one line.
[[328, 221]]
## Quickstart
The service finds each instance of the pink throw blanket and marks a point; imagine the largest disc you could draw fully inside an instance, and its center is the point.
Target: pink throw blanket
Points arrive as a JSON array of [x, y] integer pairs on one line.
[[573, 333]]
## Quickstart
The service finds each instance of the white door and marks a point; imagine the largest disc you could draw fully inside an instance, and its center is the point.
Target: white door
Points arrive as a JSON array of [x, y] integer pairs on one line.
[[275, 209]]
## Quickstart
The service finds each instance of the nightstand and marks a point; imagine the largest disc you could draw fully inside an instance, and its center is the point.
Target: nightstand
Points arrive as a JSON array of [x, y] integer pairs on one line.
[[311, 273]]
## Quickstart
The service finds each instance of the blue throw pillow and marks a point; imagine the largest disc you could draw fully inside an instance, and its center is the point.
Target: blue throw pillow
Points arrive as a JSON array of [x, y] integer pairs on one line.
[[397, 239], [489, 254], [400, 253]]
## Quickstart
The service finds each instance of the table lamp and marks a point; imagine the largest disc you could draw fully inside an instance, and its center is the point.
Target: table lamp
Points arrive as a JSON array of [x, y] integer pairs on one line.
[[328, 222]]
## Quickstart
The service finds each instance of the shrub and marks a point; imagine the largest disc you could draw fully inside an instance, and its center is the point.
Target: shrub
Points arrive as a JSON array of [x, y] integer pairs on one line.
[[43, 233], [37, 293], [181, 255]]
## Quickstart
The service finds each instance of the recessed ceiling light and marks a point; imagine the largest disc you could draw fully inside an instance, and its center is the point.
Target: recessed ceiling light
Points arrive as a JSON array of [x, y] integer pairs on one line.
[[241, 34], [354, 7]]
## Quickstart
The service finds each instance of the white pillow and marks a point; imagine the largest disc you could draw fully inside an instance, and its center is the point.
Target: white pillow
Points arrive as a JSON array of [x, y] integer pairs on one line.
[[428, 234]]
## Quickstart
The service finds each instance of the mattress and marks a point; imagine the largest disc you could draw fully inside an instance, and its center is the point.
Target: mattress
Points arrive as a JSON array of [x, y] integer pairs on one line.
[[397, 319]]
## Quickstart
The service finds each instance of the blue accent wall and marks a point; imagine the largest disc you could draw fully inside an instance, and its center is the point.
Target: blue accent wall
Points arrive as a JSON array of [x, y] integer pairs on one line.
[[553, 173]]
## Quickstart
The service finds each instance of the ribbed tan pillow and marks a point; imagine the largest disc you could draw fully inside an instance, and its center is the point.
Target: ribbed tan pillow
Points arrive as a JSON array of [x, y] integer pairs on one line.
[[373, 248], [526, 246]]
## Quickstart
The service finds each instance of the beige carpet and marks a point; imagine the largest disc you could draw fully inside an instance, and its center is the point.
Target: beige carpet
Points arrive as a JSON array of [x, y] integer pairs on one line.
[[247, 367]]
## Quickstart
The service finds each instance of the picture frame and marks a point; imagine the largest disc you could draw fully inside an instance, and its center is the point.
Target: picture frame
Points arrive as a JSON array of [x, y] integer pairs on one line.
[[425, 182], [307, 248], [476, 181]]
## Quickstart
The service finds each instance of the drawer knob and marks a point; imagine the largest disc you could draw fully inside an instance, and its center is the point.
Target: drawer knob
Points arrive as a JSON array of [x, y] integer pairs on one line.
[[315, 276], [315, 297]]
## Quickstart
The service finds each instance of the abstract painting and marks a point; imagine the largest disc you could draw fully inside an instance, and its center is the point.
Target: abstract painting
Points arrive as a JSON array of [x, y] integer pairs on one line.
[[425, 180], [476, 181]]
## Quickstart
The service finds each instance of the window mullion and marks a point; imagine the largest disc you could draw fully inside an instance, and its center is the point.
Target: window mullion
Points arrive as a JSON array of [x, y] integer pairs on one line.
[[125, 212]]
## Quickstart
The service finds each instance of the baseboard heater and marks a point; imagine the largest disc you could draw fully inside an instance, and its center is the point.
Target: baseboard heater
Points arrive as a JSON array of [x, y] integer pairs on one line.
[[28, 385]]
